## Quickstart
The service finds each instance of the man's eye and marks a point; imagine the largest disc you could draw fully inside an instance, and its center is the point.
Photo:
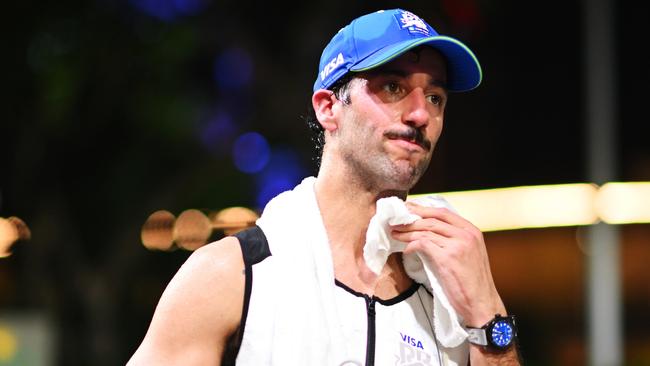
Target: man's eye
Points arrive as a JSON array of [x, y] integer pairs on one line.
[[435, 99], [392, 87]]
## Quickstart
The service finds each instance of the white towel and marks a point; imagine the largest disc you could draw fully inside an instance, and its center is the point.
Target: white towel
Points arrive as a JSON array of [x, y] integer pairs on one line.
[[298, 240], [296, 235], [380, 244]]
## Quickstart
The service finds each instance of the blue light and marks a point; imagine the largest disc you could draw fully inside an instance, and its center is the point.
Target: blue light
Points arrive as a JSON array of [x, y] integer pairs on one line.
[[161, 9], [169, 10], [217, 133], [190, 7], [282, 173], [274, 185], [233, 69], [251, 152]]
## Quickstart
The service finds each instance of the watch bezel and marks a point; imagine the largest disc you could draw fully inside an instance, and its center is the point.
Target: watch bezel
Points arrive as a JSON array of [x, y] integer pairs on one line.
[[489, 329], [483, 336]]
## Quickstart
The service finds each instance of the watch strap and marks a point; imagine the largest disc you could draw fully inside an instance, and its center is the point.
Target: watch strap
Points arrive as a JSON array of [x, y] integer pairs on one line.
[[477, 336]]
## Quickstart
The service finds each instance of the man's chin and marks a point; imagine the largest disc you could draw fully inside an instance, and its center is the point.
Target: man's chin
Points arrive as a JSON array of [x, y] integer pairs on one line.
[[408, 175], [405, 180]]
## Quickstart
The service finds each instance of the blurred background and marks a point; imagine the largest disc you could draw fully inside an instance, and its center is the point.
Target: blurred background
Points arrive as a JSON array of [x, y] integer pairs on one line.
[[115, 109]]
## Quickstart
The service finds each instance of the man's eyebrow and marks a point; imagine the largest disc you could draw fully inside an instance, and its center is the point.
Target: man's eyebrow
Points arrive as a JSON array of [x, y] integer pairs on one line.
[[384, 71]]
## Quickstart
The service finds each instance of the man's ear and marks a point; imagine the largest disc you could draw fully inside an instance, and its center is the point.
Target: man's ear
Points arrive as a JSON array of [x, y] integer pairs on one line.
[[323, 102]]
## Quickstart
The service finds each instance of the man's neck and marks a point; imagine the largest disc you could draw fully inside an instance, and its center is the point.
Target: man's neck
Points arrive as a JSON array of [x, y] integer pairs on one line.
[[346, 208]]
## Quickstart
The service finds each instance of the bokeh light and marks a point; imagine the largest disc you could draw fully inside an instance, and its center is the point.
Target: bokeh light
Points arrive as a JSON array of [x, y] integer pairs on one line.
[[233, 69], [233, 219], [251, 152], [160, 9], [190, 7], [217, 133], [8, 235], [282, 173], [21, 228], [192, 229], [624, 202], [12, 229], [169, 10], [8, 345], [157, 231]]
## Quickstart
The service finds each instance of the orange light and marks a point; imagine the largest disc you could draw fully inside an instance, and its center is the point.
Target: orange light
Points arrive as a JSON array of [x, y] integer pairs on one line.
[[192, 229], [8, 236], [23, 231], [234, 219], [157, 231]]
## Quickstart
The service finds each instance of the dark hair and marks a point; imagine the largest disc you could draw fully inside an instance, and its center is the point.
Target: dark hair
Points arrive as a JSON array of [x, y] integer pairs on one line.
[[341, 88]]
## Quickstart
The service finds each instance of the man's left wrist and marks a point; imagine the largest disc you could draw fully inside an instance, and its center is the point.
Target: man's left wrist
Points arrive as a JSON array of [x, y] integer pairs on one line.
[[483, 315], [497, 334]]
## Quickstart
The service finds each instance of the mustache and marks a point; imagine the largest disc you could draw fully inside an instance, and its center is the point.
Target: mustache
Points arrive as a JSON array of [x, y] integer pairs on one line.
[[411, 134]]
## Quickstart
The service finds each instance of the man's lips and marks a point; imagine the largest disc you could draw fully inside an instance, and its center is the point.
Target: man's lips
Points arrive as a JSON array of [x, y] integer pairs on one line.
[[408, 144]]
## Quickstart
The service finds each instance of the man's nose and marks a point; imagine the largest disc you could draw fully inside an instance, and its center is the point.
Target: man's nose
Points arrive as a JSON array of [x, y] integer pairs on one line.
[[416, 113]]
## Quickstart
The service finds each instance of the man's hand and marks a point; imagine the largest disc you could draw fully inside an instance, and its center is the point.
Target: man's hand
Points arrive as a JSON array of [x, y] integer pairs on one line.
[[456, 251]]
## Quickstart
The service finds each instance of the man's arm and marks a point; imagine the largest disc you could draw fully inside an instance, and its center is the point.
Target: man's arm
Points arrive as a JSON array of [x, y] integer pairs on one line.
[[457, 252], [479, 356], [200, 308]]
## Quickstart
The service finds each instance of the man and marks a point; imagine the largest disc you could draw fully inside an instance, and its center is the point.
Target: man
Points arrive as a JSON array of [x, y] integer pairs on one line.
[[306, 295]]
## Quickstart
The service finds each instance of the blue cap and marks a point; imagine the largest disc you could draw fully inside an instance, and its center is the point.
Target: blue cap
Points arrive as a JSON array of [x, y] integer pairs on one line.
[[374, 39]]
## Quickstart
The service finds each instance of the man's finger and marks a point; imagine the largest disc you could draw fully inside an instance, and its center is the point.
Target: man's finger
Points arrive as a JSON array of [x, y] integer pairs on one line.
[[413, 236], [441, 214], [429, 224]]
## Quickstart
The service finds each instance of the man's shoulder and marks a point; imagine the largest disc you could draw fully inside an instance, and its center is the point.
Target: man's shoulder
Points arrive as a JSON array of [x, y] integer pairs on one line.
[[211, 274], [226, 244], [218, 256], [231, 254], [213, 268]]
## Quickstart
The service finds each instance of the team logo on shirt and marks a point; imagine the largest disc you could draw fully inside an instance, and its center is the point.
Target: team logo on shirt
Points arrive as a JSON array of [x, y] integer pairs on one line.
[[410, 340], [411, 353]]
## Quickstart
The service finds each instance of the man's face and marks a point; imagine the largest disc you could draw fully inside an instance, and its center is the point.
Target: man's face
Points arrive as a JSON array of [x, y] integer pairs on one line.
[[388, 131]]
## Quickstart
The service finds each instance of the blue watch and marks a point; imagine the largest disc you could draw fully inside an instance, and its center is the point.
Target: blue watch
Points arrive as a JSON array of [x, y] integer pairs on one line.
[[497, 334]]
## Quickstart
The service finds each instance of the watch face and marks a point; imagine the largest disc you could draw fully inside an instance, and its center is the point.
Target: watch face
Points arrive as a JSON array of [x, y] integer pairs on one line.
[[501, 334]]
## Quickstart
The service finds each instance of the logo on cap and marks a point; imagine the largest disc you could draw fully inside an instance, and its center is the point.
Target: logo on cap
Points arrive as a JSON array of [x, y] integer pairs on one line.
[[331, 66], [412, 22]]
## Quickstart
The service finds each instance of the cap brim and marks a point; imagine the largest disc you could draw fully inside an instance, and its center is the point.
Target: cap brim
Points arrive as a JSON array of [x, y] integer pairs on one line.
[[463, 69]]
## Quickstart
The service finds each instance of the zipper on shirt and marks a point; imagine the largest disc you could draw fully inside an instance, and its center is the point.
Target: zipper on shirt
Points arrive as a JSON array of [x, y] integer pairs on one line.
[[370, 344]]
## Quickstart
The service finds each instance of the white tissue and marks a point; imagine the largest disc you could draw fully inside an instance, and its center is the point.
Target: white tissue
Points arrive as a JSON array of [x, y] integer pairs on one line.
[[392, 211], [380, 244]]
